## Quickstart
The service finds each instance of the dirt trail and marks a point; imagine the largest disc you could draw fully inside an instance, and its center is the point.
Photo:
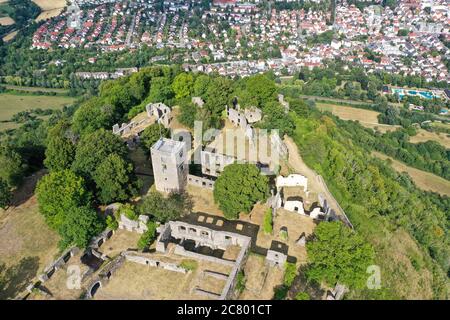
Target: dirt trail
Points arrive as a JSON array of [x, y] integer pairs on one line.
[[315, 181]]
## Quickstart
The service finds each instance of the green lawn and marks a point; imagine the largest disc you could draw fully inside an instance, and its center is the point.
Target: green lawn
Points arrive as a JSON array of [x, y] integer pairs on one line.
[[35, 89], [11, 104]]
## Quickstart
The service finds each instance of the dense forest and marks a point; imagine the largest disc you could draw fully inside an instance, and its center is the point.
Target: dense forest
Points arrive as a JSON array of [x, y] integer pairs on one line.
[[380, 202]]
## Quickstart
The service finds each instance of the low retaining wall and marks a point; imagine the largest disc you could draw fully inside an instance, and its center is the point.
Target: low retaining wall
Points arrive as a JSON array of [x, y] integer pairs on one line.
[[58, 263], [205, 293], [100, 239], [214, 274], [154, 263]]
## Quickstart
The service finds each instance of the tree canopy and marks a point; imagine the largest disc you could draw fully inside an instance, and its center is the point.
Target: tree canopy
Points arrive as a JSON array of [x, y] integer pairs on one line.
[[183, 85], [95, 114], [260, 89], [79, 227], [201, 85], [337, 254], [5, 194], [60, 150], [114, 179], [238, 188], [13, 169], [164, 209], [93, 148], [151, 134], [218, 95], [58, 193]]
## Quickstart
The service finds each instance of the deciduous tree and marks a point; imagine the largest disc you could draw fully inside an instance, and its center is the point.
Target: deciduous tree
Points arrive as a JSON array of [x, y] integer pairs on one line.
[[164, 209], [80, 225], [60, 149], [338, 254], [5, 194], [114, 179], [183, 85], [94, 148], [58, 193], [151, 134], [238, 188]]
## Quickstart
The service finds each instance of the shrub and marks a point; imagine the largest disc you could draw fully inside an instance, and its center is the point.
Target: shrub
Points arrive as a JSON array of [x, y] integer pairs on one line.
[[148, 237], [128, 211], [280, 292], [240, 281], [268, 222], [290, 271], [189, 264], [112, 223], [302, 296]]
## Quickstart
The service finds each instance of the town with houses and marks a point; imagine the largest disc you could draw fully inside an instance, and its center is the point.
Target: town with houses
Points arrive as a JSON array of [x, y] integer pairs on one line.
[[242, 37]]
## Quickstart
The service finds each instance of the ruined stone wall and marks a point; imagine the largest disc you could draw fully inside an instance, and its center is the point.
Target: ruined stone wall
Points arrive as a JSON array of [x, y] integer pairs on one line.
[[106, 274], [214, 239], [292, 180], [139, 226], [236, 117], [200, 182], [214, 163], [58, 264], [228, 290], [179, 250], [161, 112], [205, 236], [153, 262]]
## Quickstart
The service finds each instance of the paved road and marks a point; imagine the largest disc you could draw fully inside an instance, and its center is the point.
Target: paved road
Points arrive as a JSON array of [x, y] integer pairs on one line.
[[131, 31]]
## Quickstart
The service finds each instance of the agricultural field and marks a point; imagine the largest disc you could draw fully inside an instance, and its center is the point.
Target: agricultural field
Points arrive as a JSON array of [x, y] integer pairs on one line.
[[28, 244], [424, 180], [11, 104], [424, 135], [10, 36], [50, 8], [5, 11], [6, 21], [50, 4], [440, 126], [367, 118]]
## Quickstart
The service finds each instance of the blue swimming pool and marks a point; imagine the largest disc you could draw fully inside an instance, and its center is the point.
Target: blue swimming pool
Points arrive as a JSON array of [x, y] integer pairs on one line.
[[423, 94], [426, 94]]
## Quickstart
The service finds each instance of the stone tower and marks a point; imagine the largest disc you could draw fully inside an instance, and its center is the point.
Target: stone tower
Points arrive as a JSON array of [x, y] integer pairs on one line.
[[170, 168]]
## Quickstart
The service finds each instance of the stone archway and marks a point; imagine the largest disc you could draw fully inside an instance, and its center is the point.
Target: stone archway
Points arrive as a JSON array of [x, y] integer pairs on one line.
[[94, 288]]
